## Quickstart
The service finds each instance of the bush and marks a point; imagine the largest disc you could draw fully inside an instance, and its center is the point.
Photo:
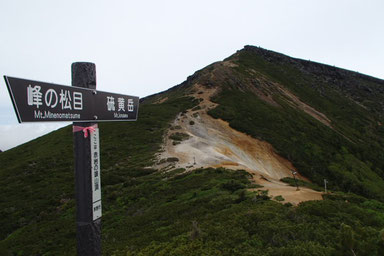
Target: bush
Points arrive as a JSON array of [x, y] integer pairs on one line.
[[172, 159], [179, 136], [196, 108], [232, 186], [279, 198]]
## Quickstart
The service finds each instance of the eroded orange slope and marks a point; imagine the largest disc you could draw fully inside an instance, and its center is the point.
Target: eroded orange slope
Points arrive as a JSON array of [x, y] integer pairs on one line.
[[213, 143]]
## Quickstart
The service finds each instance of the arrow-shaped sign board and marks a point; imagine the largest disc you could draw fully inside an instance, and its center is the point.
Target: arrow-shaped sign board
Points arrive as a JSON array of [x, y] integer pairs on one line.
[[38, 101]]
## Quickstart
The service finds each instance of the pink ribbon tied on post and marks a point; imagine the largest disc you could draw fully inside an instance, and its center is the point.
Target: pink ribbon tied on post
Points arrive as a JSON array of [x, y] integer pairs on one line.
[[85, 129]]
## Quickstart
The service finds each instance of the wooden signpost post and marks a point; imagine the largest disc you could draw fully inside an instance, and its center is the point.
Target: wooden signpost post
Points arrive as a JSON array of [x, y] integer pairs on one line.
[[38, 101]]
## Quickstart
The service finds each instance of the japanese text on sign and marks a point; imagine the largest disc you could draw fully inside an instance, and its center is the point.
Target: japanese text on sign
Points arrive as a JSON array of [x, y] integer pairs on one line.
[[38, 101], [65, 99], [95, 174], [111, 104]]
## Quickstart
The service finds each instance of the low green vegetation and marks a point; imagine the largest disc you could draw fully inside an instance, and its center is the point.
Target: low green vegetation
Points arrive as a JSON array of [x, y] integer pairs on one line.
[[301, 183], [172, 159], [179, 136], [196, 108], [37, 178], [348, 154], [176, 127], [209, 212], [279, 198]]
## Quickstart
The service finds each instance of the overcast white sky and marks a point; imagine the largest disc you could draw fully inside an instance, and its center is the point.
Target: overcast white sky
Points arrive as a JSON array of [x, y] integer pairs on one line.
[[144, 47]]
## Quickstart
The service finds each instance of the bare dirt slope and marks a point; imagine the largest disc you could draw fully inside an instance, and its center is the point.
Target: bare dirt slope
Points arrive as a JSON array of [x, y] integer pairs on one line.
[[213, 143]]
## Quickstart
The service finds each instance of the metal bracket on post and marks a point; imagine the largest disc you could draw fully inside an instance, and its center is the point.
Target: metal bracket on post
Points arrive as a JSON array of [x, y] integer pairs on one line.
[[88, 233]]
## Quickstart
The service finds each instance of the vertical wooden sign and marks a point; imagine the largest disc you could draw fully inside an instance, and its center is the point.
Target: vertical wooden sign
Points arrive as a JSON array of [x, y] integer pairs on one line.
[[86, 142], [95, 173], [36, 101]]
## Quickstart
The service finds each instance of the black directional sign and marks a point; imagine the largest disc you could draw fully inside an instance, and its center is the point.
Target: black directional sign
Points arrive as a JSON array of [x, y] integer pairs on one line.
[[38, 101]]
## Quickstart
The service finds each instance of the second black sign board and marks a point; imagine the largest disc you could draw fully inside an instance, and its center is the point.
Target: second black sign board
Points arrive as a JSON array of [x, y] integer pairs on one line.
[[38, 101]]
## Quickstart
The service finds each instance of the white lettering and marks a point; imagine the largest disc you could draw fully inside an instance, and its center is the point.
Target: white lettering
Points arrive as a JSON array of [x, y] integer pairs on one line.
[[51, 98], [121, 104], [110, 103], [65, 99], [77, 101], [118, 115], [34, 96], [38, 114], [49, 115], [130, 105]]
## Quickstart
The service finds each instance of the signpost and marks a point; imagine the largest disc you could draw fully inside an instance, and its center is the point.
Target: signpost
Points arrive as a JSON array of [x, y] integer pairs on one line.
[[294, 177], [38, 101]]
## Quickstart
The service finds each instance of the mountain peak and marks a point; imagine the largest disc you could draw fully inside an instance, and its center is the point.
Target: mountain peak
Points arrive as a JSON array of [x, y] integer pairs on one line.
[[300, 107]]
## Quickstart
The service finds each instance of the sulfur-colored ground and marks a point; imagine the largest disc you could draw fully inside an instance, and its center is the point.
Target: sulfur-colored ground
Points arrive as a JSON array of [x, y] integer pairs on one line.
[[213, 143]]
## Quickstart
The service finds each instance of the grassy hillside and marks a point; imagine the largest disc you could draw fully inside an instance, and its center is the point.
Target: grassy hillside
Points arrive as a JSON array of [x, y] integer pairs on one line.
[[37, 178], [212, 211]]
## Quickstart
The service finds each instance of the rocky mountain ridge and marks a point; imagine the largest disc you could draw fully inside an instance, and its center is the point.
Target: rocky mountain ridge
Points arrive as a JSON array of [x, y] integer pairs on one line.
[[173, 183]]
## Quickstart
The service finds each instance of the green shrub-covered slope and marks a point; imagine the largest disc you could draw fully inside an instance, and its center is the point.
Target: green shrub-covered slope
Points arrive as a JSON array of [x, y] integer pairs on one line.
[[350, 154], [211, 211]]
